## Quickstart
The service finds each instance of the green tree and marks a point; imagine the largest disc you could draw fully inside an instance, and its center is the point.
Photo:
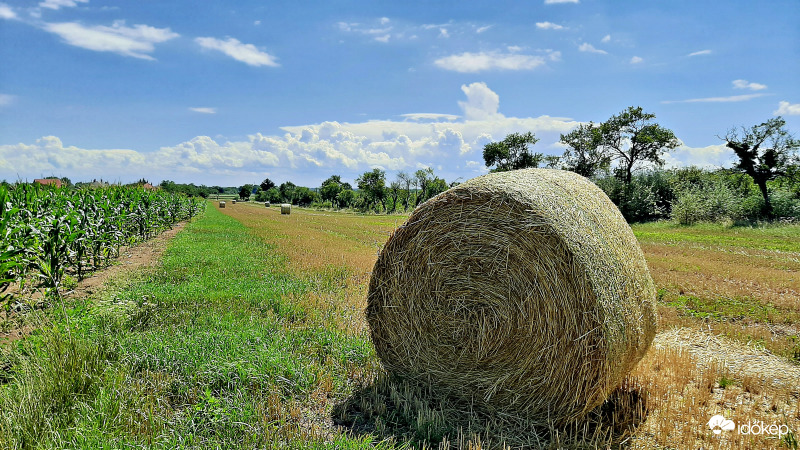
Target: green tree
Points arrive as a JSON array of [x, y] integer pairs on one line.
[[346, 197], [422, 178], [267, 184], [764, 153], [405, 181], [585, 154], [287, 191], [245, 192], [304, 196], [512, 153], [631, 138], [329, 192], [373, 186]]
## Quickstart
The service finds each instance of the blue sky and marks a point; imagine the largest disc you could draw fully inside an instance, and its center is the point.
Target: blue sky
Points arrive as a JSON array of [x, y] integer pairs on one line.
[[228, 93]]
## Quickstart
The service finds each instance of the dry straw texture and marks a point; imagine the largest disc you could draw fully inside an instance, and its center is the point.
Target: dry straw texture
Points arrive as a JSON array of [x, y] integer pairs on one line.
[[286, 208], [523, 293]]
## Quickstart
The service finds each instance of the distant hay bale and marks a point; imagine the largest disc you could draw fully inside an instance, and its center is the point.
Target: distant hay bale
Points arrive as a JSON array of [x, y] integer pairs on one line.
[[233, 202], [286, 208], [266, 204], [520, 292], [221, 204]]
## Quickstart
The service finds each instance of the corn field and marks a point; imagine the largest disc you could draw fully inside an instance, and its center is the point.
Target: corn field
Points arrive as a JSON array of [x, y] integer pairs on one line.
[[48, 232]]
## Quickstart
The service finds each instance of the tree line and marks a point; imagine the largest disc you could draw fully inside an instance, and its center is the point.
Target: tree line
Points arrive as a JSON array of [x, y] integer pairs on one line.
[[624, 156], [373, 191]]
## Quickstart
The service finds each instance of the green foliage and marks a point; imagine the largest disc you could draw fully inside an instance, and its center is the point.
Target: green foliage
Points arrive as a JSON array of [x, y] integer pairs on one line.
[[585, 155], [631, 138], [46, 231], [287, 191], [512, 153], [765, 152], [373, 188], [266, 185]]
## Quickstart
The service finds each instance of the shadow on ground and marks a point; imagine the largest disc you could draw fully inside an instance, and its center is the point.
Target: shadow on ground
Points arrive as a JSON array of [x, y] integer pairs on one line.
[[403, 411]]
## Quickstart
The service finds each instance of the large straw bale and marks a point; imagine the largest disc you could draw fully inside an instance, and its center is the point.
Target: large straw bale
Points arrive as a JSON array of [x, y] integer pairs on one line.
[[221, 204], [286, 208], [523, 293]]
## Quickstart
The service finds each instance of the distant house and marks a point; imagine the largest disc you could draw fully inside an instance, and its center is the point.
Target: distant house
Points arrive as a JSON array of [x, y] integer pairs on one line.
[[48, 182], [149, 187]]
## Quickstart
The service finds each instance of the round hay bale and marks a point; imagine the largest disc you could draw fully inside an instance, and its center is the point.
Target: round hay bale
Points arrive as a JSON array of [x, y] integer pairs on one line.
[[266, 204], [520, 292], [286, 208], [233, 202], [221, 204]]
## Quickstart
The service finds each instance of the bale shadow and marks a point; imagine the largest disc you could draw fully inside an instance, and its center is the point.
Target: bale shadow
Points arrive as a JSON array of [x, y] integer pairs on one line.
[[408, 411]]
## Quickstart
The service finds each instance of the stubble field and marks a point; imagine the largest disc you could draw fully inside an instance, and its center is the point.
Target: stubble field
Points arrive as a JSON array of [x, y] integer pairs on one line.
[[250, 333]]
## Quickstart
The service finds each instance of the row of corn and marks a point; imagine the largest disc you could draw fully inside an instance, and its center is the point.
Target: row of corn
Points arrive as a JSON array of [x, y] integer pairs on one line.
[[48, 232]]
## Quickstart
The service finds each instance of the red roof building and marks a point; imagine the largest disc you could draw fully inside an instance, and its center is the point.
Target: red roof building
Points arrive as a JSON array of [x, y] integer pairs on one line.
[[48, 182]]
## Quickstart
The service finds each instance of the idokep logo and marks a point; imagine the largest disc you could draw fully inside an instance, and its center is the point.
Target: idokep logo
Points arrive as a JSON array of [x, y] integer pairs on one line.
[[719, 423]]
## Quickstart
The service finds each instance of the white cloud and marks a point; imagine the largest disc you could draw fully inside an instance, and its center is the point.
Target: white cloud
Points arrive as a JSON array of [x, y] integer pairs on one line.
[[246, 53], [384, 20], [476, 62], [710, 157], [482, 103], [699, 53], [554, 56], [58, 4], [435, 117], [553, 2], [204, 110], [787, 109], [587, 47], [606, 39], [257, 22], [636, 60], [744, 84], [548, 26], [733, 98], [137, 41], [383, 39], [6, 99], [6, 12], [484, 28], [304, 154]]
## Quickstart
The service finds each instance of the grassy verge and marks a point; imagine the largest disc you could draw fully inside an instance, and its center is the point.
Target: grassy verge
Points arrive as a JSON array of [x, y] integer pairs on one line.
[[212, 349]]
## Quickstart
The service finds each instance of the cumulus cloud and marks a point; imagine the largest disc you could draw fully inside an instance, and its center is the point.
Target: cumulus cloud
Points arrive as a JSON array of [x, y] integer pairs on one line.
[[732, 98], [6, 12], [606, 39], [482, 103], [304, 154], [636, 60], [484, 28], [136, 41], [58, 4], [787, 109], [589, 48], [710, 157], [468, 62], [246, 53], [700, 53], [549, 26], [744, 84]]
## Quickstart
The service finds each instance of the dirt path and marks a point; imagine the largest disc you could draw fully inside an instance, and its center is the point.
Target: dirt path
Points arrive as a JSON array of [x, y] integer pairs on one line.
[[145, 254]]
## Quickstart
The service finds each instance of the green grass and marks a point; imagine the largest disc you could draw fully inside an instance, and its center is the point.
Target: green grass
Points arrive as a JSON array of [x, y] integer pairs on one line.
[[765, 237], [212, 349]]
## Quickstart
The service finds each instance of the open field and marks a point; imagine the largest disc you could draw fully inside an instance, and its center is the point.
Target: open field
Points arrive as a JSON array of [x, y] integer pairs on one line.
[[251, 334]]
